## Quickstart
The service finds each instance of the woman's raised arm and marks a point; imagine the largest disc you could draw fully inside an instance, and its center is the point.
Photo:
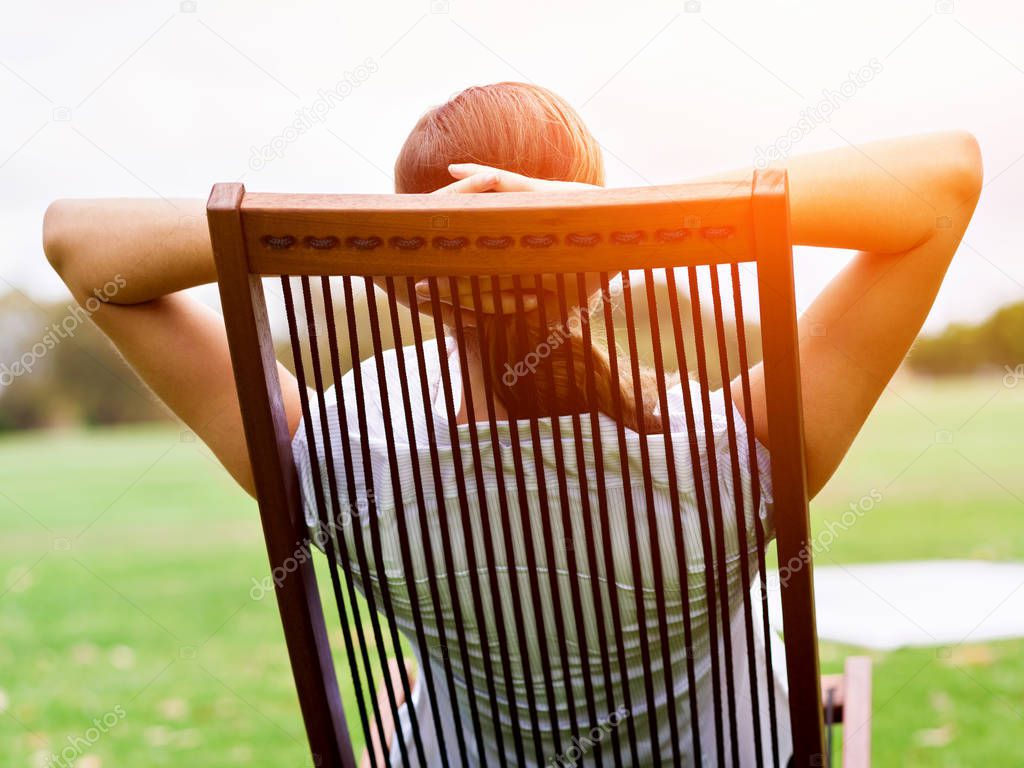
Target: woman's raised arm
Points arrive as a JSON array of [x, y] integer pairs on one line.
[[904, 204], [136, 256], [155, 247]]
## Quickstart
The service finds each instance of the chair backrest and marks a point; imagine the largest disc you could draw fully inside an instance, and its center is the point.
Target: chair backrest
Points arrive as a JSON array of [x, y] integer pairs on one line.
[[675, 237]]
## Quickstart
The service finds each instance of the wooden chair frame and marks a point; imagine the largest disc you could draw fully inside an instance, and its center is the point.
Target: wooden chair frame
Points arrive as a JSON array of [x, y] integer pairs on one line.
[[257, 235]]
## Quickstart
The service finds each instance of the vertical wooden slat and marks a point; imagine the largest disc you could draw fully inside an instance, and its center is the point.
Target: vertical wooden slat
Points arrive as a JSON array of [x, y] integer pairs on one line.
[[678, 541], [634, 544], [352, 505], [396, 484], [505, 515], [602, 506], [424, 522], [375, 537], [653, 538], [473, 572], [568, 539], [525, 521], [738, 507], [716, 563], [336, 557], [789, 481], [702, 506], [490, 564], [442, 512], [554, 590], [269, 444], [582, 474], [755, 491]]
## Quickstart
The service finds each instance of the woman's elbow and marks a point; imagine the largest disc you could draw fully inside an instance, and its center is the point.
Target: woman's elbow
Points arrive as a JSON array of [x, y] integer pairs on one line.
[[66, 248], [966, 172], [55, 236]]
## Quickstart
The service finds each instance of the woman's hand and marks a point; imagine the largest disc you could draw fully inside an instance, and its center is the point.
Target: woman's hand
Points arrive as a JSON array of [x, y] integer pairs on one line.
[[474, 178]]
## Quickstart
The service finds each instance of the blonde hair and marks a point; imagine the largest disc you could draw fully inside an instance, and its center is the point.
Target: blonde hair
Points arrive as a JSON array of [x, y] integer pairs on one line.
[[528, 130]]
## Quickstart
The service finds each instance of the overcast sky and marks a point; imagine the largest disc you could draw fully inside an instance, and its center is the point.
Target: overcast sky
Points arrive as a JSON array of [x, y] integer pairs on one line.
[[165, 98]]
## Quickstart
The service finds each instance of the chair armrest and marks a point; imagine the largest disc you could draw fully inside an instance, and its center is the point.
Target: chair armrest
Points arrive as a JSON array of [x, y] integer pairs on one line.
[[851, 705]]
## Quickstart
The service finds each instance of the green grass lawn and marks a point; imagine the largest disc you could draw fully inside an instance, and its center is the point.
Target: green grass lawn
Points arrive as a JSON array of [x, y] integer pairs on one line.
[[127, 558]]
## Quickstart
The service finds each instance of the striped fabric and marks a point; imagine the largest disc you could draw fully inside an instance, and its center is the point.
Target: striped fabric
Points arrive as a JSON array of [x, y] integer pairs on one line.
[[501, 677]]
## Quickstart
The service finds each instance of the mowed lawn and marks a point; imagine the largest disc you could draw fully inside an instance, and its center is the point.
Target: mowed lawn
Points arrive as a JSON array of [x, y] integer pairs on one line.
[[127, 560]]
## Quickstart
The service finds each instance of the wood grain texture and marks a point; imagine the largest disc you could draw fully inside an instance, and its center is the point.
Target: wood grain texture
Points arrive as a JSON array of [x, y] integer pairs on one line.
[[514, 233], [606, 229], [780, 348], [857, 712], [269, 445], [851, 706]]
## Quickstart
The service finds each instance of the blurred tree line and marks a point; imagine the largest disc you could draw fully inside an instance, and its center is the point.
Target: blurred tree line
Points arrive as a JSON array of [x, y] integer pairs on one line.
[[994, 343], [58, 369]]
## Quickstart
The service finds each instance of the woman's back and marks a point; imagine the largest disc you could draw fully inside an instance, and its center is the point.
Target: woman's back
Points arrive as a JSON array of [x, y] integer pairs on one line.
[[564, 623]]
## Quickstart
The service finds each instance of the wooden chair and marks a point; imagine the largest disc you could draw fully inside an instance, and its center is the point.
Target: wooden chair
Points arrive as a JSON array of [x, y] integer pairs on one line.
[[733, 228]]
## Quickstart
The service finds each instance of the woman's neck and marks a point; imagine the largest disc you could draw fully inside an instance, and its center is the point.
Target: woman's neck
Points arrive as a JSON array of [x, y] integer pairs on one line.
[[478, 391]]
